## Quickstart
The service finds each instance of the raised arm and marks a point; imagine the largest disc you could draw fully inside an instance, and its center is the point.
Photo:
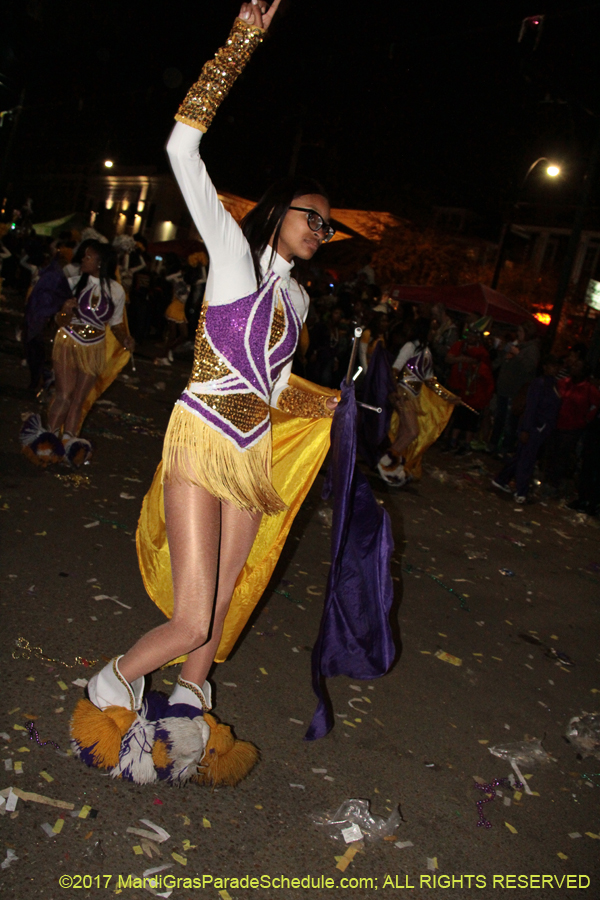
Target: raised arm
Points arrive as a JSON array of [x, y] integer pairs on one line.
[[221, 234], [219, 74]]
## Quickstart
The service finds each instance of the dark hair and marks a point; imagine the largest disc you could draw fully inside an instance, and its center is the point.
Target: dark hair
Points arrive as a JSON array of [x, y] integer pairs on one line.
[[108, 260], [140, 239], [266, 219], [80, 252], [376, 325], [420, 330]]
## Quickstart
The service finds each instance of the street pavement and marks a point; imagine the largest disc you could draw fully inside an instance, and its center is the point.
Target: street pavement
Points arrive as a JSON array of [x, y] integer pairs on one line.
[[491, 584]]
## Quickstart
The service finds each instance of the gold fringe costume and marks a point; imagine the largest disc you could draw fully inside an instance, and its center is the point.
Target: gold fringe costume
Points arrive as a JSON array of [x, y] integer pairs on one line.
[[245, 429], [220, 436]]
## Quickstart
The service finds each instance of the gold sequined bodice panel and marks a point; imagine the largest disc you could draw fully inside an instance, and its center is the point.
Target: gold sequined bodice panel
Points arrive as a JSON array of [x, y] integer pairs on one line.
[[277, 327], [207, 365], [246, 410]]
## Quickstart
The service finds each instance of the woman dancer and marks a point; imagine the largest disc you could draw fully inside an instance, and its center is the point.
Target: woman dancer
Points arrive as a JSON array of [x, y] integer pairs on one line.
[[217, 450], [412, 368], [79, 353], [79, 356]]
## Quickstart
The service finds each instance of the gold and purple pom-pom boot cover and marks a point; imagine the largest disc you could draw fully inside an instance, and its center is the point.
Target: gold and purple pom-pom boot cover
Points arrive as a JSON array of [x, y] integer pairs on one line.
[[158, 738], [41, 447]]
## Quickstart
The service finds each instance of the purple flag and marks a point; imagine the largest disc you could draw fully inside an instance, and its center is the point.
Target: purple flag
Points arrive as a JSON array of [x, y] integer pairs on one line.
[[46, 299], [373, 427], [355, 637]]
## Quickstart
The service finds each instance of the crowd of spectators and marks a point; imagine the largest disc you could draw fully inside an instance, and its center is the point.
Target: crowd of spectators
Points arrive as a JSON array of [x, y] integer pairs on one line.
[[537, 416]]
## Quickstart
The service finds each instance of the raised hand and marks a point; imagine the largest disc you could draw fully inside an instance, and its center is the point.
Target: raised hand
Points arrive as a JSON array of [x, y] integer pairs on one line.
[[257, 13]]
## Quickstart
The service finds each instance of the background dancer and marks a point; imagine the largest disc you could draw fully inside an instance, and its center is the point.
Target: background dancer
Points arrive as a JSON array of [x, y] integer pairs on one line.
[[79, 353]]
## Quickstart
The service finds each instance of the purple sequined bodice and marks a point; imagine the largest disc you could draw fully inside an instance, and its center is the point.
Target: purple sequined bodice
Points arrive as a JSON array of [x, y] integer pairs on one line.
[[95, 308], [251, 355]]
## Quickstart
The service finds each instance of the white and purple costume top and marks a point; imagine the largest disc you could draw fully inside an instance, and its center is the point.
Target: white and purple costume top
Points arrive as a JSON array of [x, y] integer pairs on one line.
[[96, 308], [247, 336]]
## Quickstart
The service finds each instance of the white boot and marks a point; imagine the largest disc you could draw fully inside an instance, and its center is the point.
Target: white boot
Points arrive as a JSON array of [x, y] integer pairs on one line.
[[190, 693], [109, 688]]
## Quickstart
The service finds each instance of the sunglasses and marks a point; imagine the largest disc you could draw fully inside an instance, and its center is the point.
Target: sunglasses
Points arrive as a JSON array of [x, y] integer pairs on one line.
[[316, 222]]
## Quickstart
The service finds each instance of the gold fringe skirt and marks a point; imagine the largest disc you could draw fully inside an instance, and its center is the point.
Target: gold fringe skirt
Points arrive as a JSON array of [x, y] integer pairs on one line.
[[195, 453], [88, 358]]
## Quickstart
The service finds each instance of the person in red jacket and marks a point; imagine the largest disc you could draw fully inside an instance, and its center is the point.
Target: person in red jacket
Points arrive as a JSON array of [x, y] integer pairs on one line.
[[580, 403], [471, 378]]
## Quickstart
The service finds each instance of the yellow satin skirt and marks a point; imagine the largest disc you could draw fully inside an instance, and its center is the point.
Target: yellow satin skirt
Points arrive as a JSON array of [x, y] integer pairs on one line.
[[116, 358], [299, 450], [433, 414]]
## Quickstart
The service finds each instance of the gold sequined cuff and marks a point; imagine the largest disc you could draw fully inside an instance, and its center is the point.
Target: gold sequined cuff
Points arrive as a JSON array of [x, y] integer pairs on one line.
[[218, 75], [300, 403]]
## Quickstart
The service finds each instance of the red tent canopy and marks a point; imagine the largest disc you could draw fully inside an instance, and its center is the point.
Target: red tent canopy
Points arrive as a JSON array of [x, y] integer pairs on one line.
[[469, 298]]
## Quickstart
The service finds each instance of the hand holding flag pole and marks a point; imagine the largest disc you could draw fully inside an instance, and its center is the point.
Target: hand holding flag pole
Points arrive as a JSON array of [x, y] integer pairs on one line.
[[357, 333]]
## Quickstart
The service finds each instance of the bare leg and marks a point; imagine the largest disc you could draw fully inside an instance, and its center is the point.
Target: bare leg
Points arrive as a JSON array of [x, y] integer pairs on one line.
[[66, 383], [83, 386], [193, 518], [238, 531]]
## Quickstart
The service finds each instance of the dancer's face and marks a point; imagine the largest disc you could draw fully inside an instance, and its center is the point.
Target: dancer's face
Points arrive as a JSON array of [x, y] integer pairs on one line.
[[296, 237], [90, 264]]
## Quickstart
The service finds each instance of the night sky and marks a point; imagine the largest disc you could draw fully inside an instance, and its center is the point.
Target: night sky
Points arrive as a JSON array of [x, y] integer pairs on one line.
[[395, 106]]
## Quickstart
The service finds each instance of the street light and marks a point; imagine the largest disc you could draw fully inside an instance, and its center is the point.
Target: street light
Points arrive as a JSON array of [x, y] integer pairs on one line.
[[552, 170], [108, 163]]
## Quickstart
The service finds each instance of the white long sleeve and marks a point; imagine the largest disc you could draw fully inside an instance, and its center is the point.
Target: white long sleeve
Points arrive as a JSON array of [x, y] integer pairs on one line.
[[404, 355], [231, 274]]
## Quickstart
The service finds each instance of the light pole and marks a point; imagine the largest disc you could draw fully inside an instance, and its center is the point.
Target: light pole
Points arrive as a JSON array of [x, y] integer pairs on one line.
[[552, 171]]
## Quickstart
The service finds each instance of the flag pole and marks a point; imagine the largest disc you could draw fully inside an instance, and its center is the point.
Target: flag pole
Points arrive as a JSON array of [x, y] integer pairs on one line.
[[357, 333]]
